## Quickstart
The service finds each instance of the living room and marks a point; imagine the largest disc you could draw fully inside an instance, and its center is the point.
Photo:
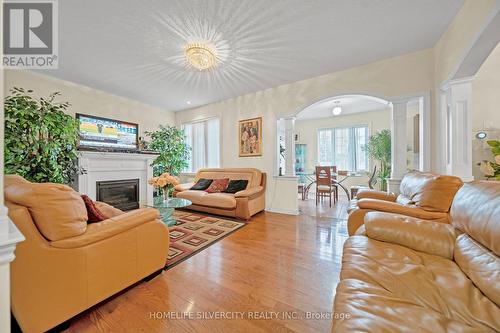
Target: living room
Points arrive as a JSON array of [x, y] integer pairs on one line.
[[274, 150]]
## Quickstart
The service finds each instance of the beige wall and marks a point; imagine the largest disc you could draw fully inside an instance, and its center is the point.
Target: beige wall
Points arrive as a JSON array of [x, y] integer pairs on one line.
[[90, 101], [486, 107], [448, 53], [388, 78]]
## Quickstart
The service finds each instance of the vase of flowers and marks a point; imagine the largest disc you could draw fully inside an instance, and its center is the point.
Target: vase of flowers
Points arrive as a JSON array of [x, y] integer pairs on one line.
[[491, 169], [165, 183]]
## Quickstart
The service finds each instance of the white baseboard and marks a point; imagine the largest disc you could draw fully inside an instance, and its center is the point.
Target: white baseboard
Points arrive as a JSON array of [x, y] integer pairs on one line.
[[283, 211]]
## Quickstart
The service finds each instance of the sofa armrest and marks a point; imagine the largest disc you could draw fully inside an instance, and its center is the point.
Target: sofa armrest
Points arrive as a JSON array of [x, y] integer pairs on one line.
[[108, 228], [250, 192], [374, 194], [425, 236], [183, 187], [393, 207]]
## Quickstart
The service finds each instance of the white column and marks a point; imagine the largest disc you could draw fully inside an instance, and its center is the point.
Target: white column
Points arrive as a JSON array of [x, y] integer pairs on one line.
[[398, 145], [289, 146], [459, 129]]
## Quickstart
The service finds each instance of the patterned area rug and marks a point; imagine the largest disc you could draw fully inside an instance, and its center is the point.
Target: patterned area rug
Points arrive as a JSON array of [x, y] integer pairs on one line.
[[193, 232]]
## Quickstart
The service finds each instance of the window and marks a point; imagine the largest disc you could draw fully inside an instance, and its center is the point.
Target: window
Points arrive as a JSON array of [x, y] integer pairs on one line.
[[203, 138], [343, 147]]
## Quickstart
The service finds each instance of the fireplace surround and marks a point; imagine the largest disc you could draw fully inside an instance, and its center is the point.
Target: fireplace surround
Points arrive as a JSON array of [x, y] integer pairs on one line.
[[122, 194]]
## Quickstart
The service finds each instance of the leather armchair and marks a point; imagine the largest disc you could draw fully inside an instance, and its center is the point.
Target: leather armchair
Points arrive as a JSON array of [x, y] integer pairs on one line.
[[66, 266], [406, 273], [422, 195]]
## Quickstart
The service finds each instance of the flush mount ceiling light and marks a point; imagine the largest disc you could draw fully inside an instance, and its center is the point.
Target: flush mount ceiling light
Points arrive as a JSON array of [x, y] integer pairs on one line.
[[201, 56], [337, 109]]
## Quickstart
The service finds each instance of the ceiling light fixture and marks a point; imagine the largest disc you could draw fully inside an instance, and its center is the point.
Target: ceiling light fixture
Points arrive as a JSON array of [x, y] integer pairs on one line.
[[337, 109], [201, 56]]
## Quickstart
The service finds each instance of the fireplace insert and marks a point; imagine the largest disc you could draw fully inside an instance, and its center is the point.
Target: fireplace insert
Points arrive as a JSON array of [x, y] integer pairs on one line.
[[122, 194]]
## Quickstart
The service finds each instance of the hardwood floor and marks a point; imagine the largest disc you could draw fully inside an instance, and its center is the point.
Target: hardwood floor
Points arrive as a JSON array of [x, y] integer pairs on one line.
[[279, 266]]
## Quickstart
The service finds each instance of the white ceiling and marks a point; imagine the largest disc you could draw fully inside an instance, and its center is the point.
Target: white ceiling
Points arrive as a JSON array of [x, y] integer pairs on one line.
[[349, 103], [135, 48]]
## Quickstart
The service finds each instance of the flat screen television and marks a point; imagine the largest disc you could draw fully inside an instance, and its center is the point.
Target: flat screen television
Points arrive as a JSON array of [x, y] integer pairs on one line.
[[105, 133]]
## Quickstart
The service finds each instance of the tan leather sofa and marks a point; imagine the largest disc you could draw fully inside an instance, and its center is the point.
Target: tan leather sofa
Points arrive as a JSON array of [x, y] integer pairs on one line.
[[242, 205], [410, 275], [422, 195], [66, 266]]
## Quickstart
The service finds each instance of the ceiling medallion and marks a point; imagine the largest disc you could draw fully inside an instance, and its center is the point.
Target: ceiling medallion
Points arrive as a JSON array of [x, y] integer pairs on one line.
[[201, 56]]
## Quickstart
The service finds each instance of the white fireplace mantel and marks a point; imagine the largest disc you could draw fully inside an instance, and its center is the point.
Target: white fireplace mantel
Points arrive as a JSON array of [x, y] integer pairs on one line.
[[106, 166]]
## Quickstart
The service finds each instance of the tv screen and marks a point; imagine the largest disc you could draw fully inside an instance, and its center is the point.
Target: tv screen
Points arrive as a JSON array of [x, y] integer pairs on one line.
[[97, 132]]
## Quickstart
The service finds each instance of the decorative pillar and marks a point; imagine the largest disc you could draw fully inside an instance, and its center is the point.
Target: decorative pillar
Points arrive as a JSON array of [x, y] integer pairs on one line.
[[289, 146], [459, 129], [398, 145]]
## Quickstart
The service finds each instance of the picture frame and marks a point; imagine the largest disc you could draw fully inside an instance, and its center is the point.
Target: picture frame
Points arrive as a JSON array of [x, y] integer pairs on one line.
[[250, 137]]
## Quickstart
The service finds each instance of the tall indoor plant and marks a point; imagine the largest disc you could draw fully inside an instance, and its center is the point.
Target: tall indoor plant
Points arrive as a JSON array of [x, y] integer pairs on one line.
[[491, 169], [40, 138], [173, 151], [379, 148]]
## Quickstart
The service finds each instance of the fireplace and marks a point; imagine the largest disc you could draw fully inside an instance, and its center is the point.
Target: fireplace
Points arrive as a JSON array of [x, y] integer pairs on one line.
[[122, 194]]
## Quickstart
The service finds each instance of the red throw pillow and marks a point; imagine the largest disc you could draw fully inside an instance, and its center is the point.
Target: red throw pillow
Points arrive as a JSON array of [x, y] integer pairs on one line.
[[94, 214], [218, 185]]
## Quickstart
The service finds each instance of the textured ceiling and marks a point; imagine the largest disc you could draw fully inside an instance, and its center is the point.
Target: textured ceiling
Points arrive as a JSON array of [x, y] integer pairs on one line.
[[135, 48]]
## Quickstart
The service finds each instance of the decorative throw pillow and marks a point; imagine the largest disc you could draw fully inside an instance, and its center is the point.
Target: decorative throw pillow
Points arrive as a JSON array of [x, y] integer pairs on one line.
[[202, 184], [236, 186], [94, 214], [218, 185]]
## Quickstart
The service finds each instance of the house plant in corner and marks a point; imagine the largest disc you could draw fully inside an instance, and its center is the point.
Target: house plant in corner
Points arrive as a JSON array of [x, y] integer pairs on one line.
[[40, 138], [491, 170], [379, 148], [169, 143]]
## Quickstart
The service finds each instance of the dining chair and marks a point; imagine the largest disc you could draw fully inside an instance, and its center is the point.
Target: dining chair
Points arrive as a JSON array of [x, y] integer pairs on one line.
[[324, 185]]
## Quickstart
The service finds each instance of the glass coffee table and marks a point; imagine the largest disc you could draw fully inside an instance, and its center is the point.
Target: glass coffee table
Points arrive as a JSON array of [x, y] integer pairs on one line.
[[167, 207]]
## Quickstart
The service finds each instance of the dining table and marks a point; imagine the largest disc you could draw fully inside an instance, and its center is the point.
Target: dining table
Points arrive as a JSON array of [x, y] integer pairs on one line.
[[337, 179]]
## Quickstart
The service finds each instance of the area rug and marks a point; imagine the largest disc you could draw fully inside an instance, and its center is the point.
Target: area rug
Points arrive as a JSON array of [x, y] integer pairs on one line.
[[194, 232]]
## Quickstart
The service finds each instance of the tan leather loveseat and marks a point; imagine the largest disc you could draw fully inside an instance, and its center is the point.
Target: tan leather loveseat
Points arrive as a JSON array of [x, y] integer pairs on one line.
[[65, 265], [423, 195], [243, 204], [409, 275]]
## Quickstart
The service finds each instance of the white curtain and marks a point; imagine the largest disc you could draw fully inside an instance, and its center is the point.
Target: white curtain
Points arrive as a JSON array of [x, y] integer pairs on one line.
[[203, 138]]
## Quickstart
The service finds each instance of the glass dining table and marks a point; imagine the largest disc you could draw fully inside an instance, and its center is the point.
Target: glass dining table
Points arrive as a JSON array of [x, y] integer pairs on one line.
[[309, 178]]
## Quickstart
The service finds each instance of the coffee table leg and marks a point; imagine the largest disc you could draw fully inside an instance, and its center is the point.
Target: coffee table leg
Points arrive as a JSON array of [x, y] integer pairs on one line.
[[167, 216]]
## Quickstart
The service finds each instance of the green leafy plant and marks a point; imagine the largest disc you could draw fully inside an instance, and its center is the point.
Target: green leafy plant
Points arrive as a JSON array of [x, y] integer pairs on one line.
[[379, 148], [169, 142], [491, 170], [40, 138]]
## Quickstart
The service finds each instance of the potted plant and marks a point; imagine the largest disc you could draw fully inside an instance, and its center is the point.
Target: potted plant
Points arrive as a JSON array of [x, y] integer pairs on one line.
[[379, 148], [491, 170], [173, 151], [40, 138]]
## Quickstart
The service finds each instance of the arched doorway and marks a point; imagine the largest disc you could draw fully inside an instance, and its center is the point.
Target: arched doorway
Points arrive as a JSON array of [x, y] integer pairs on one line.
[[334, 131]]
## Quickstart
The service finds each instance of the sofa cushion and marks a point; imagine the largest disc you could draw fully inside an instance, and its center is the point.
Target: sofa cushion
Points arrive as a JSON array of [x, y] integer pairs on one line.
[[94, 213], [221, 200], [254, 176], [218, 185], [429, 191], [202, 184], [236, 186], [387, 287], [57, 210], [476, 211], [480, 265]]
